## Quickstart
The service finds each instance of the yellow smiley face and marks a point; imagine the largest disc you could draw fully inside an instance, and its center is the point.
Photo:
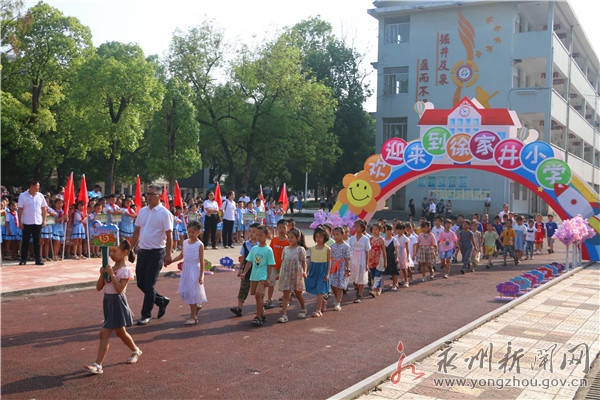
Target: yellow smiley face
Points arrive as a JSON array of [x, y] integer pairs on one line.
[[359, 193]]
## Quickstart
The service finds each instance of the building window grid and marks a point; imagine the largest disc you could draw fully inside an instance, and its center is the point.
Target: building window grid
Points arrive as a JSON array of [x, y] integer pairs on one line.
[[395, 127], [466, 125], [396, 30], [395, 80]]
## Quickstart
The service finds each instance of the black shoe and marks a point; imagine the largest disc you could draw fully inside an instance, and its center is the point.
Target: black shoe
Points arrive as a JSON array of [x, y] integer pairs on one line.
[[269, 305], [258, 321], [22, 262], [39, 263], [162, 309], [236, 310], [144, 321], [462, 271]]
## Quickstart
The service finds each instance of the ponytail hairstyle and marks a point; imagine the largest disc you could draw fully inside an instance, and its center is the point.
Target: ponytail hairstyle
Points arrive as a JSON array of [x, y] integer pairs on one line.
[[296, 232], [126, 246]]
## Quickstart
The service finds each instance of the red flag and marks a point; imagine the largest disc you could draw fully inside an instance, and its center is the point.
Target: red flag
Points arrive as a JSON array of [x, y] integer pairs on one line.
[[165, 198], [68, 199], [83, 195], [218, 198], [283, 198], [177, 200], [138, 196]]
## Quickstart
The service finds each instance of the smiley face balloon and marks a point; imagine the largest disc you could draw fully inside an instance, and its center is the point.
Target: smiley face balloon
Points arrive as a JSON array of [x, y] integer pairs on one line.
[[359, 193]]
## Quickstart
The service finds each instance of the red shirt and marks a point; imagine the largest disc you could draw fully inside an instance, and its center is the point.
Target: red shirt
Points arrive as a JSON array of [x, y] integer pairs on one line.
[[278, 246]]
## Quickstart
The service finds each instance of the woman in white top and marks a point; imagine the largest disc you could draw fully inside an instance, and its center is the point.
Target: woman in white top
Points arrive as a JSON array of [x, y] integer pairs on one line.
[[211, 209], [228, 219]]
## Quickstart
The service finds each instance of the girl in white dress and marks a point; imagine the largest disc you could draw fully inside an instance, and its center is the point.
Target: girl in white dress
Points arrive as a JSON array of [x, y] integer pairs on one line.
[[191, 283], [360, 246]]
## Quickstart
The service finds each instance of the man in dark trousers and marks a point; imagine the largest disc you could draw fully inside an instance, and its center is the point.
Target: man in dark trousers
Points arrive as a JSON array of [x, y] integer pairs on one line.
[[153, 240], [32, 218]]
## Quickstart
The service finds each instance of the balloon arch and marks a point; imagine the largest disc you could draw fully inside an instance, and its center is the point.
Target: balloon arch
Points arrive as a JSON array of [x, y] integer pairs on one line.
[[469, 136]]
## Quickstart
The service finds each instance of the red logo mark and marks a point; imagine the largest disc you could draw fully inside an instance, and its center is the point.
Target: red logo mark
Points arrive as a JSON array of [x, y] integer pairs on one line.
[[396, 375]]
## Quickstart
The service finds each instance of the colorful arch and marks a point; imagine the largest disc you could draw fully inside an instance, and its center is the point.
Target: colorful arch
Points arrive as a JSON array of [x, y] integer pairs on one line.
[[498, 144]]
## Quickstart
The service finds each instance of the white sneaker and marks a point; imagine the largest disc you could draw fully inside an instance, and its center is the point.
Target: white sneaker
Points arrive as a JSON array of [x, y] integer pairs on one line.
[[337, 307], [405, 284]]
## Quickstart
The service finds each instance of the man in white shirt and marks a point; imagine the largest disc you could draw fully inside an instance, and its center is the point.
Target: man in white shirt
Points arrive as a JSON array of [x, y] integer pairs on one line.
[[432, 209], [228, 219], [152, 241], [211, 216], [487, 202], [32, 218], [504, 211], [244, 197]]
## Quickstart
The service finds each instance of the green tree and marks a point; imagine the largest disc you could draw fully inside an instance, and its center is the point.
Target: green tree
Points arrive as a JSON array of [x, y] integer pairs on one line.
[[172, 137], [117, 91], [43, 47], [332, 62]]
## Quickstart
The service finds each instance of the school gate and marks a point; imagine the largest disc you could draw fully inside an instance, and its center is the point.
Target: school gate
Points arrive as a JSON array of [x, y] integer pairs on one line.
[[496, 142]]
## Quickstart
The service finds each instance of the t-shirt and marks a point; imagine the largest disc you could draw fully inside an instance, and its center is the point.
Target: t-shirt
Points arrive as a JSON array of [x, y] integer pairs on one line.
[[530, 234], [121, 273], [489, 238], [465, 238], [499, 228], [508, 237], [426, 239], [246, 247], [551, 227], [278, 246], [261, 258], [447, 240], [520, 228], [436, 231], [154, 224], [412, 240]]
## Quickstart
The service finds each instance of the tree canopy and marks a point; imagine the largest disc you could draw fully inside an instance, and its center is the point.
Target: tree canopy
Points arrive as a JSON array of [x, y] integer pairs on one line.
[[253, 115]]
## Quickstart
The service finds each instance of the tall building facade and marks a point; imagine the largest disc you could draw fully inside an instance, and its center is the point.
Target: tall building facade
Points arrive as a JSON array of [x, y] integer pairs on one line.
[[531, 57]]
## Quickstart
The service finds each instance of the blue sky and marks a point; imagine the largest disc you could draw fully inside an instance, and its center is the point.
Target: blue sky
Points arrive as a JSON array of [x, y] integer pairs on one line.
[[150, 23]]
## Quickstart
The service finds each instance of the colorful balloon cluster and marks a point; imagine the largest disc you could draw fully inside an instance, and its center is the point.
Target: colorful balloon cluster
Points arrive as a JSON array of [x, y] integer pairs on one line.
[[574, 230], [334, 219]]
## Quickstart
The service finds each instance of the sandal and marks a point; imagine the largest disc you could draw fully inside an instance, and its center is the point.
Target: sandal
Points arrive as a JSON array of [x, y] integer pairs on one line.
[[302, 314], [135, 355], [94, 368], [258, 321], [191, 321], [283, 319], [317, 314]]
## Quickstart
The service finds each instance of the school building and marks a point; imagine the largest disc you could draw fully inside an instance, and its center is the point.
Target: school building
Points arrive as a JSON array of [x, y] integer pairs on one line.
[[531, 57]]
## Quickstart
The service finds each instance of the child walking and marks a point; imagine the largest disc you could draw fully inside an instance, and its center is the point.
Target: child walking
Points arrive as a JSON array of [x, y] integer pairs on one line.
[[340, 266], [530, 234], [292, 273], [391, 251], [508, 236], [245, 276], [447, 241], [426, 250], [490, 237], [317, 281], [191, 283], [540, 234], [467, 243], [377, 260], [117, 314], [403, 253], [477, 242], [360, 246], [261, 257]]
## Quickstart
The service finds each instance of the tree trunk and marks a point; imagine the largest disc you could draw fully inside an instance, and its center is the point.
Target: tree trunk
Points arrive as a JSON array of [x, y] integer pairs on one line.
[[112, 162], [36, 92]]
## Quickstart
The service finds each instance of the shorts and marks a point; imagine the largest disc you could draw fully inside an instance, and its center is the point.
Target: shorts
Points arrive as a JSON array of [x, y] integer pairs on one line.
[[274, 275], [489, 250], [550, 242], [444, 255], [508, 250], [244, 290], [257, 287]]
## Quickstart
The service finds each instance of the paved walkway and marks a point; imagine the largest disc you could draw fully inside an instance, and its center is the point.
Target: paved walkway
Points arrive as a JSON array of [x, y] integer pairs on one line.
[[548, 327]]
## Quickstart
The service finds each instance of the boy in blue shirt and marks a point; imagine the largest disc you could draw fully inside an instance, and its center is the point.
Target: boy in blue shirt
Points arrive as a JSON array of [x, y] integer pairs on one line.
[[245, 276], [260, 259], [551, 227]]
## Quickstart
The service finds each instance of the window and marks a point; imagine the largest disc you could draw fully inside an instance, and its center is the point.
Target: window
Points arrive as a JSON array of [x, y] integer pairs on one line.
[[476, 121], [468, 121], [395, 80], [451, 122], [396, 30], [460, 122], [395, 127]]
